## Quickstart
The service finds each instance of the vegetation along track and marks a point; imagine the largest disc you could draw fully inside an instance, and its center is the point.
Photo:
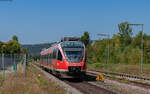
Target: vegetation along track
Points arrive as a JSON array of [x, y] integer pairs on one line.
[[141, 84], [121, 74], [85, 87]]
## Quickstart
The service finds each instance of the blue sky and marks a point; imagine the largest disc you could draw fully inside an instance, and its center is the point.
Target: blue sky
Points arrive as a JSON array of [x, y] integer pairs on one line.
[[40, 21]]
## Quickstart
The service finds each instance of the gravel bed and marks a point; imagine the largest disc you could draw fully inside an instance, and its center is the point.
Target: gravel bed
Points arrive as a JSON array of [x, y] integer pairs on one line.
[[69, 89]]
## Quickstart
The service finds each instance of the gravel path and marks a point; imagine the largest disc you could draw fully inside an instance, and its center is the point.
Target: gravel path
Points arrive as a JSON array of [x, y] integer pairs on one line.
[[76, 86], [87, 86]]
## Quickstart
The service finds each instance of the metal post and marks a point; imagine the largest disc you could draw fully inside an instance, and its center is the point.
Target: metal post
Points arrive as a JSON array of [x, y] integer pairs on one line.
[[3, 62], [142, 52], [3, 65], [108, 62], [14, 63], [24, 64], [108, 48], [142, 46], [11, 59]]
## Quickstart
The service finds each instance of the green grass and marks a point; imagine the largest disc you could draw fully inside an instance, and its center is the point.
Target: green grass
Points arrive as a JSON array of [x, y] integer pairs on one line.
[[141, 81], [122, 68], [1, 80], [118, 88]]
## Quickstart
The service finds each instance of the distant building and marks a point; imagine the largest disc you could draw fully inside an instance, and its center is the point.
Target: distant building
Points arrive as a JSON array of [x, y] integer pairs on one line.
[[5, 43]]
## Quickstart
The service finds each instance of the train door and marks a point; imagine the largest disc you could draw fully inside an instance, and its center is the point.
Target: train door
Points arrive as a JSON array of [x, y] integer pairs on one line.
[[54, 59], [60, 60]]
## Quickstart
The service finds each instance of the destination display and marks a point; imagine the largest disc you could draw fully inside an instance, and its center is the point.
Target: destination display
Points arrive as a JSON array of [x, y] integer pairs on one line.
[[72, 44]]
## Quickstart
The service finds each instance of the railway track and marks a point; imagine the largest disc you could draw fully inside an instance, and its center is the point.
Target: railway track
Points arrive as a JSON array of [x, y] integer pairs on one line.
[[84, 87], [88, 88], [91, 86], [121, 75], [141, 84]]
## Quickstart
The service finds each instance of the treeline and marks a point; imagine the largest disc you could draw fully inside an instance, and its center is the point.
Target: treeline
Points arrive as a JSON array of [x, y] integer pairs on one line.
[[12, 47], [35, 49], [124, 47]]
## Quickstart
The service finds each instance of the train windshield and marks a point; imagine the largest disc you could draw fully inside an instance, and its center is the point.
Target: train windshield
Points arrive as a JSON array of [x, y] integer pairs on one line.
[[73, 52]]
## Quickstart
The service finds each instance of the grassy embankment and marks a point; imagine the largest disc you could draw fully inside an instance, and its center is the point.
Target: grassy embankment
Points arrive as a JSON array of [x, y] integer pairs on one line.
[[17, 83], [122, 68]]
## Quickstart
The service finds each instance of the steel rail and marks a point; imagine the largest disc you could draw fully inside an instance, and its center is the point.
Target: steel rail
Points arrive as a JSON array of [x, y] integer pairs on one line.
[[84, 87], [121, 74], [69, 89]]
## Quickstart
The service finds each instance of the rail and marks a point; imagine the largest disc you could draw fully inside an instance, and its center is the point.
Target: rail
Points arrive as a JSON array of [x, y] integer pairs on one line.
[[121, 74]]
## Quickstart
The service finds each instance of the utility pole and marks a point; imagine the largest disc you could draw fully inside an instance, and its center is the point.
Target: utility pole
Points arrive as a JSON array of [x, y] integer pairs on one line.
[[24, 64], [142, 45], [3, 61], [108, 47]]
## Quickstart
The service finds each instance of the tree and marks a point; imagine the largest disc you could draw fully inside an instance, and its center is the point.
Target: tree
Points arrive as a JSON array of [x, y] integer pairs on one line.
[[24, 51], [1, 44], [14, 46], [85, 38], [125, 33], [15, 38], [116, 42], [136, 42]]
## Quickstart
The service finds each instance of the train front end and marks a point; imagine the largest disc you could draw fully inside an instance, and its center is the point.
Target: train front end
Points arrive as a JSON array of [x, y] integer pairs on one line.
[[74, 58]]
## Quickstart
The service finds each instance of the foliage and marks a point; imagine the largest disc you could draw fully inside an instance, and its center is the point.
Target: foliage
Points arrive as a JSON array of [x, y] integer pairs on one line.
[[35, 58], [15, 38], [35, 49], [12, 46], [85, 38], [147, 51], [125, 33], [24, 50], [136, 42], [124, 48], [1, 44]]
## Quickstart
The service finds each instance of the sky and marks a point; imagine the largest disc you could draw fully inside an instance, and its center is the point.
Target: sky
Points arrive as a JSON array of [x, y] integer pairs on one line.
[[42, 21]]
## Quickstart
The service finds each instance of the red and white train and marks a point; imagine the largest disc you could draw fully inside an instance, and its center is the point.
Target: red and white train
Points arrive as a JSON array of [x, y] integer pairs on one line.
[[66, 59]]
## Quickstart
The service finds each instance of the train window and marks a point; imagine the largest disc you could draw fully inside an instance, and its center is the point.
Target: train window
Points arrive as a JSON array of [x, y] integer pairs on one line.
[[48, 58], [44, 59], [54, 54], [59, 57], [51, 56], [40, 58]]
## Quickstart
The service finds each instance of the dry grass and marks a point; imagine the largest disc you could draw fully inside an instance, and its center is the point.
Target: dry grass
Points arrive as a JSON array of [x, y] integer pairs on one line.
[[16, 83]]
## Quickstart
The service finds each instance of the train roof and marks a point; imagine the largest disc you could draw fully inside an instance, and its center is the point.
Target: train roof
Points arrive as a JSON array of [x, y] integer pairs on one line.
[[63, 44], [70, 39]]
